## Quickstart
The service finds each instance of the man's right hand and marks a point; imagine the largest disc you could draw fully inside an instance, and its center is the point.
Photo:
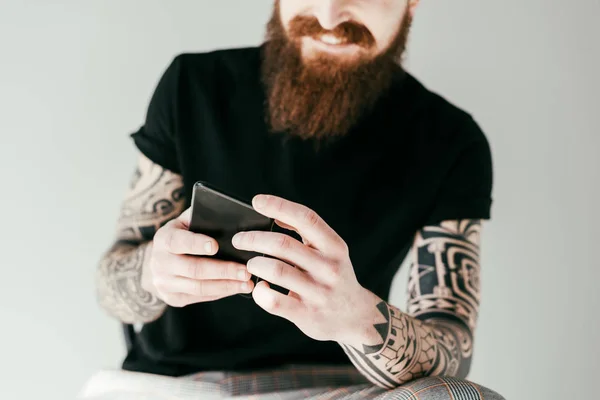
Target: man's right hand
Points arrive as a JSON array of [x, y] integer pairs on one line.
[[180, 270]]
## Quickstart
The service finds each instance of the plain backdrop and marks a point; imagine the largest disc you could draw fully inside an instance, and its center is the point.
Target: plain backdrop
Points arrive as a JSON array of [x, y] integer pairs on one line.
[[75, 80]]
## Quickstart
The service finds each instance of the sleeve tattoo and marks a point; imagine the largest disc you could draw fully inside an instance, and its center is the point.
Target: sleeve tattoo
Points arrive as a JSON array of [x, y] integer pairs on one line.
[[435, 336], [155, 197]]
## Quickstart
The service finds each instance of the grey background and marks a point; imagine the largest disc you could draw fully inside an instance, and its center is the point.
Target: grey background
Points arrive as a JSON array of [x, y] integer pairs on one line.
[[75, 79]]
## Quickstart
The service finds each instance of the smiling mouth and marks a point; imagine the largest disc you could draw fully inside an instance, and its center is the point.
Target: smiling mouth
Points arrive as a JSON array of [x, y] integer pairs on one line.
[[333, 44], [331, 39]]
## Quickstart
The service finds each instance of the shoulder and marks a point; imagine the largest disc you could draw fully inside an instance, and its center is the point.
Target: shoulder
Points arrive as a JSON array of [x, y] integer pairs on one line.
[[442, 120], [219, 64]]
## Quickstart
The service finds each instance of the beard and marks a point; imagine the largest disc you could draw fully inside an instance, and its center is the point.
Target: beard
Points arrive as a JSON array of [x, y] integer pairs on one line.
[[324, 96]]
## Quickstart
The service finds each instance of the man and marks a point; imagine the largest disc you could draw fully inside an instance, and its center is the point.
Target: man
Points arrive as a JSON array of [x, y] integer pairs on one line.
[[324, 131]]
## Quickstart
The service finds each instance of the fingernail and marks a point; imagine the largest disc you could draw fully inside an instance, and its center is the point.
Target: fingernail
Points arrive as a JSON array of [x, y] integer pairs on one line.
[[245, 286], [236, 239], [208, 247], [242, 275], [260, 201]]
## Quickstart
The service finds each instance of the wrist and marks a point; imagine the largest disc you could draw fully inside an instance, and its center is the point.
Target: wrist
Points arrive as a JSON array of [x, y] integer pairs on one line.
[[360, 329]]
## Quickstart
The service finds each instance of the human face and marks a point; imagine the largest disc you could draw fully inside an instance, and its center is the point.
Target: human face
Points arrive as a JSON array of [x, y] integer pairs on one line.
[[347, 30], [319, 81]]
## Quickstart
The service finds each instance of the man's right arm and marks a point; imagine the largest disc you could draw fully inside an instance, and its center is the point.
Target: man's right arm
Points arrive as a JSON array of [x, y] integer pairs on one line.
[[123, 287]]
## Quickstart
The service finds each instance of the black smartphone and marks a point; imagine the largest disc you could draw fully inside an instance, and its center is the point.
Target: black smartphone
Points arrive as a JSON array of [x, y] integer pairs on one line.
[[221, 215]]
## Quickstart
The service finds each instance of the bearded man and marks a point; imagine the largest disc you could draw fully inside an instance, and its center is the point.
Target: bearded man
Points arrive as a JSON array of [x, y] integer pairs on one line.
[[323, 130]]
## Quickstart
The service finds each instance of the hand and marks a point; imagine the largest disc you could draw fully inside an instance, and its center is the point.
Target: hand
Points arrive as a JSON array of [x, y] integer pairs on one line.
[[325, 299], [178, 276]]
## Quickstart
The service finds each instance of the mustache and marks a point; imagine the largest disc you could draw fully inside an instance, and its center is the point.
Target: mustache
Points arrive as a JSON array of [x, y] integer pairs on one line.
[[351, 32]]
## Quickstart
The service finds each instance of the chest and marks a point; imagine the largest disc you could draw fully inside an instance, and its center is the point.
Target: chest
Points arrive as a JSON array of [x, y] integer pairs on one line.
[[366, 197]]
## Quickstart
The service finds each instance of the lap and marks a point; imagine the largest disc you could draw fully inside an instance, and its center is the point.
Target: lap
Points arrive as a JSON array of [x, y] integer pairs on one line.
[[287, 383]]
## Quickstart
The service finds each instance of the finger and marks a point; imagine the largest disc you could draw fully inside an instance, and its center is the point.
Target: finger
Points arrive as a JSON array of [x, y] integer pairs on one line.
[[185, 217], [305, 221], [280, 246], [291, 228], [285, 226], [181, 241], [204, 268], [279, 273], [202, 288], [277, 303]]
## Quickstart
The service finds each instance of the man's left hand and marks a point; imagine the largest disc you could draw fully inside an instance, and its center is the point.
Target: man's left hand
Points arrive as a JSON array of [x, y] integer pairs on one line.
[[325, 300]]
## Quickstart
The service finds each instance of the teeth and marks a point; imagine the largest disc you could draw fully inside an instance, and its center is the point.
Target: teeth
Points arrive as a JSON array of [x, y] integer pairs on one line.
[[330, 39]]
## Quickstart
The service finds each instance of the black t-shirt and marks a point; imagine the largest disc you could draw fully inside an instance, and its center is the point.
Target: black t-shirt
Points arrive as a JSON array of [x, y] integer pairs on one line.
[[415, 160]]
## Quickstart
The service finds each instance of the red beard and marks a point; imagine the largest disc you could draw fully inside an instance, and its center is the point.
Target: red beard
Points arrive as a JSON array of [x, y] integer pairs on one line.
[[324, 97]]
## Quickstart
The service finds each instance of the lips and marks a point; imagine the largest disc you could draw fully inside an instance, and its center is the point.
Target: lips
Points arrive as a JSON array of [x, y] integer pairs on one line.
[[346, 33]]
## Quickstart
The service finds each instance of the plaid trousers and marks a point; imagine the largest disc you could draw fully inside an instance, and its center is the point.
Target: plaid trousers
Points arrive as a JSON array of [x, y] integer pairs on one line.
[[293, 382]]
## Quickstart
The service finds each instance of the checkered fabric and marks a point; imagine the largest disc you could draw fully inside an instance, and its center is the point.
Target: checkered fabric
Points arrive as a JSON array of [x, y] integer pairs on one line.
[[288, 383]]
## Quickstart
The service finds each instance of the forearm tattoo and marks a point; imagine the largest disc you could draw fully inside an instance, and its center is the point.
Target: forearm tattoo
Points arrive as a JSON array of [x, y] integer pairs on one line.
[[155, 197], [435, 336]]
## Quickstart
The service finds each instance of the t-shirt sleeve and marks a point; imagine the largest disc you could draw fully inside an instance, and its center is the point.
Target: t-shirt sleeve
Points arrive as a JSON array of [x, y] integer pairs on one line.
[[156, 137], [466, 191]]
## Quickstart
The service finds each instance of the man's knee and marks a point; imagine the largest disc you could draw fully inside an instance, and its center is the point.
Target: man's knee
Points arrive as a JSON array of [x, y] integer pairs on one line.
[[443, 388], [489, 394]]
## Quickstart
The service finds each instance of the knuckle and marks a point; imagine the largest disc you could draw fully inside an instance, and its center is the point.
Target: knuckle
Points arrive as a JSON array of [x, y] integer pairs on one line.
[[178, 301], [311, 217], [344, 247], [335, 269], [279, 204], [168, 239], [230, 272], [192, 242], [193, 270], [279, 270], [169, 298], [199, 288], [319, 297], [324, 293], [322, 299], [225, 271], [159, 284], [284, 242], [233, 287]]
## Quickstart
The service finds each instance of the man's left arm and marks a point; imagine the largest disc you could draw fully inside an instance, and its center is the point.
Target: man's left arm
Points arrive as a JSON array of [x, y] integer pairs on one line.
[[327, 303], [435, 336]]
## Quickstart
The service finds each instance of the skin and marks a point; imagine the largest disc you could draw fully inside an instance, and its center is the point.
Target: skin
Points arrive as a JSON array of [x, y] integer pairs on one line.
[[151, 267], [327, 303], [155, 262]]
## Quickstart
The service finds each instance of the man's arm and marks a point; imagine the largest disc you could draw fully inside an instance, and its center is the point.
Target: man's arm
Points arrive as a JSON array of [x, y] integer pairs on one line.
[[155, 197], [435, 336]]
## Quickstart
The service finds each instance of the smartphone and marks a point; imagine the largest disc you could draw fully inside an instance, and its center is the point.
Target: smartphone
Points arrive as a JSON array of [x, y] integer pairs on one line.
[[221, 215]]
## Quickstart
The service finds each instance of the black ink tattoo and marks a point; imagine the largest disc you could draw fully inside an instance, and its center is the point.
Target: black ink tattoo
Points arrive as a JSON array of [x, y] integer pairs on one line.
[[435, 337], [155, 197], [382, 329], [120, 288]]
